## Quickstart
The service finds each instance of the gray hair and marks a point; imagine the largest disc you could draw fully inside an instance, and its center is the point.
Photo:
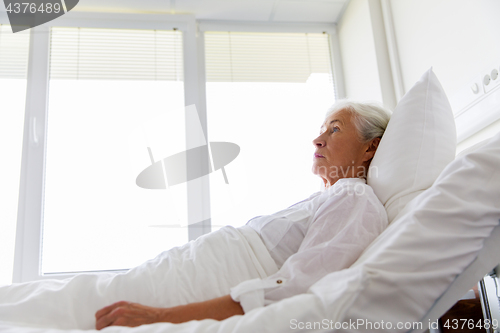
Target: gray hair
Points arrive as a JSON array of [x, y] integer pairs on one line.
[[370, 119]]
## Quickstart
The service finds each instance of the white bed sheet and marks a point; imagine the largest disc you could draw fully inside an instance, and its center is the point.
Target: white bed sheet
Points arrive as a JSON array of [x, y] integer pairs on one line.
[[200, 270]]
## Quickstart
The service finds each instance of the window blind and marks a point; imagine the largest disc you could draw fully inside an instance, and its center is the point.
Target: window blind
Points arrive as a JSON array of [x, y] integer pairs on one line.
[[266, 57], [14, 52], [116, 54]]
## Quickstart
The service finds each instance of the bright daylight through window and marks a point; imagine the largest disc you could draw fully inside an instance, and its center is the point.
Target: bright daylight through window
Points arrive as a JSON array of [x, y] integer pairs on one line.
[[268, 93], [110, 93]]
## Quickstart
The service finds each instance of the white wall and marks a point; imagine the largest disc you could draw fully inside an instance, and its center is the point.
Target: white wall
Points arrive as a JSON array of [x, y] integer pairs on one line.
[[458, 38]]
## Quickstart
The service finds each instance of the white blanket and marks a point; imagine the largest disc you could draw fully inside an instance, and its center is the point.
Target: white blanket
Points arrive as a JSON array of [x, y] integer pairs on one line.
[[200, 270]]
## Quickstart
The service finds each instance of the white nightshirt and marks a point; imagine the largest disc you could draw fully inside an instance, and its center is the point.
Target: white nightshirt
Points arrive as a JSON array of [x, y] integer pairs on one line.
[[325, 233]]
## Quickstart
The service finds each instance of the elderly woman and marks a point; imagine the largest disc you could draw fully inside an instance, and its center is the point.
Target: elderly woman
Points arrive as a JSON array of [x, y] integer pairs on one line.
[[326, 232]]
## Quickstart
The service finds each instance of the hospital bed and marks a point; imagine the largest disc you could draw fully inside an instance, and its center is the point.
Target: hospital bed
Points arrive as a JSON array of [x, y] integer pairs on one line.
[[485, 265], [442, 239]]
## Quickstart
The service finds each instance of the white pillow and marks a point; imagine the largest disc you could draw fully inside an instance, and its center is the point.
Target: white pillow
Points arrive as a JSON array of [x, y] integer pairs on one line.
[[420, 140], [436, 236]]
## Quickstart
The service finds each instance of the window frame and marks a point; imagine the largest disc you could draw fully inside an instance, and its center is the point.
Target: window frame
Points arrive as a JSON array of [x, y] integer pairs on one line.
[[28, 244], [277, 27]]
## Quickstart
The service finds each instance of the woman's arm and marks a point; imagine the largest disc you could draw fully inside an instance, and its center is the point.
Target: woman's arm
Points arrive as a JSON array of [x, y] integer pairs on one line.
[[342, 228], [133, 314]]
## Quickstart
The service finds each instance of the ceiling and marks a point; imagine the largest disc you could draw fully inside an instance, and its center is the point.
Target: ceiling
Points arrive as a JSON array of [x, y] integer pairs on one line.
[[233, 10]]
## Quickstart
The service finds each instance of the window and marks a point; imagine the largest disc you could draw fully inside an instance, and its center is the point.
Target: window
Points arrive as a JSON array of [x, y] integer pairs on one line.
[[268, 93], [13, 73], [112, 95], [108, 97]]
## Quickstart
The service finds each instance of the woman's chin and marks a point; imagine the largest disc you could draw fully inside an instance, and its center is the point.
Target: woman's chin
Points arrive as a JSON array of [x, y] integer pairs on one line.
[[318, 171]]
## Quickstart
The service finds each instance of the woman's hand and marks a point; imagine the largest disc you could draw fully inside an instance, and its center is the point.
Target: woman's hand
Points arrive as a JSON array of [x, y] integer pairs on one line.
[[128, 314], [133, 314]]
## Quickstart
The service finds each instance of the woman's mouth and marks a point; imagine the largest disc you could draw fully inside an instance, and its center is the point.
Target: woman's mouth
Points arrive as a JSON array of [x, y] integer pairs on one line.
[[316, 155]]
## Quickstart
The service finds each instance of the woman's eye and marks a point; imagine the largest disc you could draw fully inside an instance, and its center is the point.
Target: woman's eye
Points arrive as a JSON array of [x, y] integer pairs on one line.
[[335, 129]]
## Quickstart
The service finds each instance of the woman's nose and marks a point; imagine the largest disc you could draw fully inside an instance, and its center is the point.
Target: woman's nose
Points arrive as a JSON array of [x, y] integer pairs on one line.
[[318, 142]]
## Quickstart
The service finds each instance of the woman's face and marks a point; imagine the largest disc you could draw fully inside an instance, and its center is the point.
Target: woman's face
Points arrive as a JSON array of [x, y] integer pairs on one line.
[[339, 151]]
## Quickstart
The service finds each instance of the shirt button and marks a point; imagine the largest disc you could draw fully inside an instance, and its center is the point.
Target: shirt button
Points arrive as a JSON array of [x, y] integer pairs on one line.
[[279, 281]]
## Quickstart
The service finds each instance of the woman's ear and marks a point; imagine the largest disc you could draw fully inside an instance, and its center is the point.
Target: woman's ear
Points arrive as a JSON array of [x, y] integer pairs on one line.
[[371, 149]]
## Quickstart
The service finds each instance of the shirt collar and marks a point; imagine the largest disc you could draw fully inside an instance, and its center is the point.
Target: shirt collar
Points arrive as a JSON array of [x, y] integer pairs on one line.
[[350, 180], [345, 181]]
